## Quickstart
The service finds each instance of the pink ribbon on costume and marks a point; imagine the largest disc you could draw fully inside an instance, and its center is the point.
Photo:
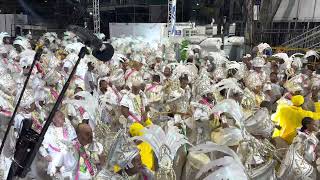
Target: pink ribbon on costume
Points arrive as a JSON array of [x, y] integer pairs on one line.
[[151, 87], [54, 93], [81, 110], [6, 112], [55, 148], [288, 96], [76, 76], [78, 168], [65, 136], [39, 68], [119, 98], [85, 156], [205, 102], [128, 75], [17, 67], [5, 60], [135, 118], [65, 133]]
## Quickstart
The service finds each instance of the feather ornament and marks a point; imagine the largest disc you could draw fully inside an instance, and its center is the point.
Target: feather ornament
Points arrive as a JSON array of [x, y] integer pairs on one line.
[[157, 137]]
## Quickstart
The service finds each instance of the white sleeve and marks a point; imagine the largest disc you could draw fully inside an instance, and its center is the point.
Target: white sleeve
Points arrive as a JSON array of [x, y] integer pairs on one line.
[[145, 100], [18, 122], [71, 110], [100, 148], [90, 77], [43, 152], [125, 101], [71, 131], [46, 141], [68, 160]]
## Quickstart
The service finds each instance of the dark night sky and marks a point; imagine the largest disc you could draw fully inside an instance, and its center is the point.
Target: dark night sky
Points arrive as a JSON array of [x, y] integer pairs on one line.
[[59, 13], [16, 6]]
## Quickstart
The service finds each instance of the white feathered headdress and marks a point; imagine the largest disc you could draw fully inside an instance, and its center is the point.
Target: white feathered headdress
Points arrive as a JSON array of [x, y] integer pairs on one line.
[[188, 69], [164, 144], [3, 35], [258, 62], [27, 57], [118, 78], [23, 42], [235, 40], [231, 107], [233, 65], [285, 57], [51, 36], [239, 66], [89, 102], [218, 58], [220, 73], [253, 80], [230, 84], [262, 47], [295, 83], [312, 53], [203, 85], [212, 43], [227, 167], [298, 57]]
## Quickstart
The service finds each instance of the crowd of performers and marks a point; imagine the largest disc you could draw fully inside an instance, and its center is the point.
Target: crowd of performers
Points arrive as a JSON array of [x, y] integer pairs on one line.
[[149, 114]]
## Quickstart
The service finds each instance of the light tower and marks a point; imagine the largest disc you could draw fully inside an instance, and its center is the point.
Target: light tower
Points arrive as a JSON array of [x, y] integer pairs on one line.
[[96, 16]]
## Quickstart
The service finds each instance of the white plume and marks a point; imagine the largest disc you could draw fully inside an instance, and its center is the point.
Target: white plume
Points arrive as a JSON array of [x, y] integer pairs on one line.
[[231, 107], [227, 167], [3, 35], [312, 53], [229, 84], [157, 137]]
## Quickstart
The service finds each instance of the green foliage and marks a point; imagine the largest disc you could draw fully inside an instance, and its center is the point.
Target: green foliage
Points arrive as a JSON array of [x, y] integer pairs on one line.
[[184, 50]]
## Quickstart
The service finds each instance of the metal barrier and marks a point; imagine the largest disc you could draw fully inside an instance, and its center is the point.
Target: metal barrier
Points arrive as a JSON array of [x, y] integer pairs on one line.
[[294, 41]]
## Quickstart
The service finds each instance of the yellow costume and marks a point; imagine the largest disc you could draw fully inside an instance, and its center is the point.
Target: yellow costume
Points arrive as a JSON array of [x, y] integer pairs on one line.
[[289, 118], [146, 151]]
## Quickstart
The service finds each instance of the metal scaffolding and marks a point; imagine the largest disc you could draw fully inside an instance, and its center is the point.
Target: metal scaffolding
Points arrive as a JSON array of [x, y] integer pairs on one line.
[[171, 16], [96, 16]]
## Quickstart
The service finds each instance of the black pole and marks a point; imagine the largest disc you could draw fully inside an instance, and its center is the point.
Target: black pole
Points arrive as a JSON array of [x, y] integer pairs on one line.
[[35, 59], [35, 150]]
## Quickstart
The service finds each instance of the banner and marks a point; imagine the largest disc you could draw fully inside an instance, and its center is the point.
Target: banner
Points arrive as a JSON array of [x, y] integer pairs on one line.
[[172, 17]]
